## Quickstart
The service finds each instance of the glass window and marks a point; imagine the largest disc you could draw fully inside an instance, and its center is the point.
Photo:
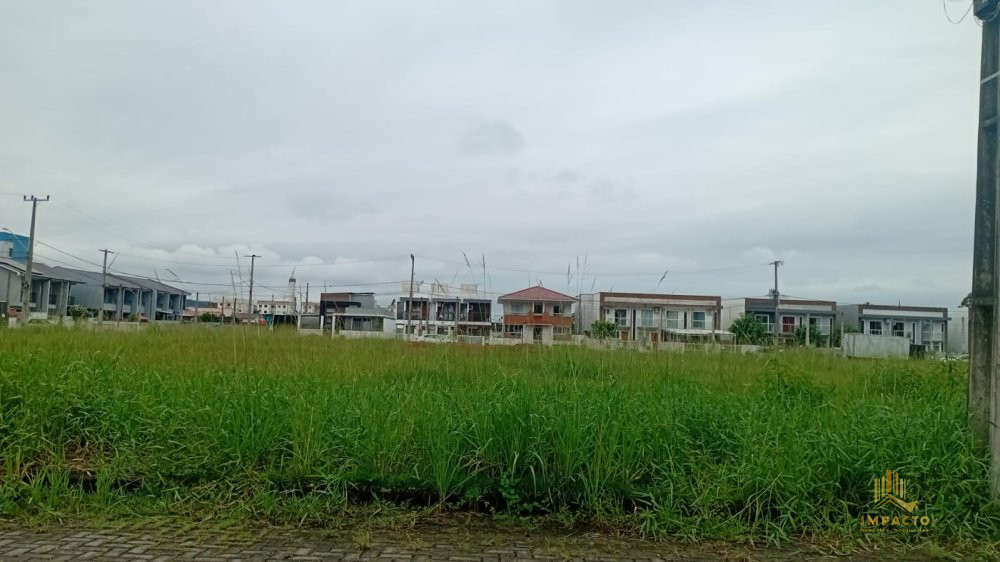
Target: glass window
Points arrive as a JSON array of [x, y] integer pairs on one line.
[[898, 329], [538, 308], [875, 327], [621, 316], [788, 324], [557, 309], [821, 324], [648, 318], [698, 320], [673, 319]]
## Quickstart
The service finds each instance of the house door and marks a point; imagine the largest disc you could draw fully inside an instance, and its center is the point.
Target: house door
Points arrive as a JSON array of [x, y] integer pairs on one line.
[[654, 337], [536, 333]]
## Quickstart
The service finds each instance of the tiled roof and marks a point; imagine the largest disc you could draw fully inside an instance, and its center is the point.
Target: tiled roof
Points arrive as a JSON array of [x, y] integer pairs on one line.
[[537, 293]]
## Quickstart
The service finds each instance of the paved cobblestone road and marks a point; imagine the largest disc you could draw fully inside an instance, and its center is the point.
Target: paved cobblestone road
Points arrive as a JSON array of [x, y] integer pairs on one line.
[[413, 545]]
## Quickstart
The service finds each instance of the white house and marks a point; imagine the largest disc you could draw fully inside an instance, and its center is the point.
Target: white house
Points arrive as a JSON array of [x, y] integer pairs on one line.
[[653, 317]]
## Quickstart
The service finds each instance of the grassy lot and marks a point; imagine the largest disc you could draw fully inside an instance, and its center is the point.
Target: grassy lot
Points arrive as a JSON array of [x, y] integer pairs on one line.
[[280, 428]]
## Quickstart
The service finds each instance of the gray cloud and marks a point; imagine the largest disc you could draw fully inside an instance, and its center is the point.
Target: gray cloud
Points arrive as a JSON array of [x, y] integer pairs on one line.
[[492, 138], [646, 136]]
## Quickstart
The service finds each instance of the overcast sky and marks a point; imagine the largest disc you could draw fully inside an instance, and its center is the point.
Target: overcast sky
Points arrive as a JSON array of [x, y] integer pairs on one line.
[[703, 138]]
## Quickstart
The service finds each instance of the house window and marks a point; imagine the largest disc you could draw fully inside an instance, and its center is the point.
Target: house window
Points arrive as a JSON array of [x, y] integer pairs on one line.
[[538, 308], [515, 308], [514, 329], [621, 316], [557, 309], [673, 319], [698, 320], [875, 327], [648, 318], [927, 332], [821, 324], [898, 329], [788, 324]]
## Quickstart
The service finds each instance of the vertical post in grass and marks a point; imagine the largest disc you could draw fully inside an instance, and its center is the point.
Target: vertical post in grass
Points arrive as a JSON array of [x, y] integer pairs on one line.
[[982, 402], [409, 305]]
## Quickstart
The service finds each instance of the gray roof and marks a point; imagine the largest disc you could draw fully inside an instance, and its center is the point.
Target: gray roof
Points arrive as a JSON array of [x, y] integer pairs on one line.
[[38, 270], [94, 278], [116, 280], [152, 284]]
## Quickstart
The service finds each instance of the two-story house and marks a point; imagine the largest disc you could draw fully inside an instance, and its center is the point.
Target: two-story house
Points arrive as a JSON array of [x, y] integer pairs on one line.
[[787, 316], [537, 314], [50, 290], [438, 309], [356, 315], [922, 325], [652, 317]]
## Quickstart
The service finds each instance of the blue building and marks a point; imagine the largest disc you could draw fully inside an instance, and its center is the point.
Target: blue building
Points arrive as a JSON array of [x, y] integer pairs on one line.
[[13, 246]]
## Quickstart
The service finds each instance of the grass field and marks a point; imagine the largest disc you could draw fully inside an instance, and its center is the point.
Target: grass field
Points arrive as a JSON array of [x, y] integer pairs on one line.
[[278, 427]]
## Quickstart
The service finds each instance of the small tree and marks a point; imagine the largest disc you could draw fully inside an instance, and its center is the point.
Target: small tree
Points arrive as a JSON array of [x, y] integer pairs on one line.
[[816, 338], [603, 330], [749, 330], [77, 312], [208, 317]]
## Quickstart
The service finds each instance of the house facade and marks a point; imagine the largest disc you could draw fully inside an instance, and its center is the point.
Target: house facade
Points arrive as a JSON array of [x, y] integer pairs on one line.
[[124, 297], [356, 315], [50, 290], [651, 317], [537, 315], [922, 325], [438, 309], [157, 300], [787, 316]]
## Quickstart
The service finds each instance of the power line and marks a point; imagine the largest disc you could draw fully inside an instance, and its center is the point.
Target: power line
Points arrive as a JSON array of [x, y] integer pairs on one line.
[[604, 274], [100, 224]]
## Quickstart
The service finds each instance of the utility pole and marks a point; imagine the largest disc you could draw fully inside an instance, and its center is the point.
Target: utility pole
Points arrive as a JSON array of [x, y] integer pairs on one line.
[[26, 287], [104, 286], [253, 310], [197, 305], [777, 299], [983, 404], [409, 305]]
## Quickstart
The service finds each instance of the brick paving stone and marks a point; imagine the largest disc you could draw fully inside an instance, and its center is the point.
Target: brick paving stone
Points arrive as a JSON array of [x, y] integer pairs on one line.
[[411, 545]]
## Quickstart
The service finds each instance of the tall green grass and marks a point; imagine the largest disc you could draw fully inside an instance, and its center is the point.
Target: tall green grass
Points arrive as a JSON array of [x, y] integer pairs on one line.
[[274, 425]]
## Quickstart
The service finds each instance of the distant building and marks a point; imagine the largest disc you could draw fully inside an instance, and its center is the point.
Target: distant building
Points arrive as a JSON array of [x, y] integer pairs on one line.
[[790, 314], [922, 325], [652, 317], [50, 290], [356, 315], [437, 309], [124, 297], [13, 246], [537, 314]]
